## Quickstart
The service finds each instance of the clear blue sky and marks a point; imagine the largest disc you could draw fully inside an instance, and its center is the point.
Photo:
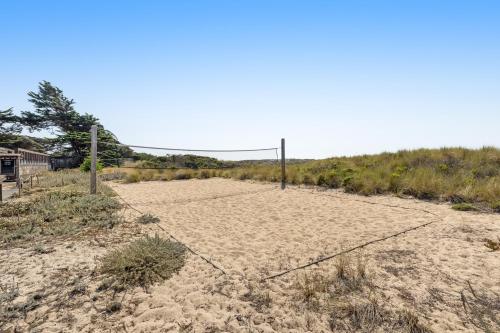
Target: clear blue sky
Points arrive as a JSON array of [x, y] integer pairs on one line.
[[332, 77]]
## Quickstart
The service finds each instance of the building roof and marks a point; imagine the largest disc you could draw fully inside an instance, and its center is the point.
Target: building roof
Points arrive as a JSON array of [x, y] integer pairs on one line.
[[6, 150], [18, 152]]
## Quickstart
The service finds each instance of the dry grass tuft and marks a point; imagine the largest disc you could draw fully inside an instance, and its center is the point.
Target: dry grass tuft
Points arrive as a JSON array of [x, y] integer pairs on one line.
[[408, 321], [316, 289], [10, 311], [358, 317], [258, 298], [492, 244], [144, 262], [310, 285], [8, 291], [370, 315], [481, 308], [464, 207], [351, 274], [113, 175], [147, 219], [350, 300]]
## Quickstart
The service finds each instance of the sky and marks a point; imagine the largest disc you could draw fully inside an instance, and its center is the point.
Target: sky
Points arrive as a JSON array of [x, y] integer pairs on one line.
[[331, 77]]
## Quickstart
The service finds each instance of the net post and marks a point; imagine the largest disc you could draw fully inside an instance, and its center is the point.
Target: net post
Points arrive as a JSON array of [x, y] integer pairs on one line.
[[1, 190], [283, 169], [93, 157]]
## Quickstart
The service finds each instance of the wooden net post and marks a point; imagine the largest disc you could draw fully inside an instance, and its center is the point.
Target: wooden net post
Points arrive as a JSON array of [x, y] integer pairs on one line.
[[283, 168], [93, 157]]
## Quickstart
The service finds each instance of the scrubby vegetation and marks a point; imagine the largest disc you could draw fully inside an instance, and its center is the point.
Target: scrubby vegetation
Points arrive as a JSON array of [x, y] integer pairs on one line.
[[87, 164], [58, 204], [493, 245], [147, 219], [143, 262], [481, 308], [464, 207], [470, 177], [351, 301]]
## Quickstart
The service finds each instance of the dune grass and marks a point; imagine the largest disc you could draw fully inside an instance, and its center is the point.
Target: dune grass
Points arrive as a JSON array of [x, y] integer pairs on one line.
[[457, 175], [350, 299], [144, 262], [58, 204]]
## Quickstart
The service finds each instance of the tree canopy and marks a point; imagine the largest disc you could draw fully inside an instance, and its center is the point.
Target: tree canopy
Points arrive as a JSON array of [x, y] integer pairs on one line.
[[9, 123], [55, 113]]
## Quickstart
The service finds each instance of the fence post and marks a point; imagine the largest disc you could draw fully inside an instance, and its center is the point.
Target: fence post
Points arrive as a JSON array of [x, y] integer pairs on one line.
[[1, 191], [93, 156], [283, 170]]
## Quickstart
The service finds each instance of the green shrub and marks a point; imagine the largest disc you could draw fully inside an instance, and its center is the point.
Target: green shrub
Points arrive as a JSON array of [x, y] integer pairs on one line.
[[86, 164], [133, 178], [144, 262], [183, 174], [321, 181], [204, 174], [496, 206], [147, 219], [464, 207], [307, 179], [57, 212], [423, 183], [333, 180]]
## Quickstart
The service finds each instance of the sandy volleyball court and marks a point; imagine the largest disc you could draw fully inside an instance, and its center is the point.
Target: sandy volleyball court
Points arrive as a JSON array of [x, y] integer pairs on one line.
[[250, 229], [253, 230]]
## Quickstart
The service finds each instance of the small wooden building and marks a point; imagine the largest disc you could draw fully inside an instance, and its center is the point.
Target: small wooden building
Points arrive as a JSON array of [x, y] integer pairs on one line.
[[19, 162]]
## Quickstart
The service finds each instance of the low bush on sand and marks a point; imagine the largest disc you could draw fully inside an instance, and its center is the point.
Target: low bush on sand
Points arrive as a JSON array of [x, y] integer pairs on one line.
[[87, 165], [144, 262], [464, 207], [147, 219], [59, 204], [493, 245]]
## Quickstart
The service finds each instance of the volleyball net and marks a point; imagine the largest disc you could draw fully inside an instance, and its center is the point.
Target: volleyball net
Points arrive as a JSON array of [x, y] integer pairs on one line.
[[174, 158], [161, 158]]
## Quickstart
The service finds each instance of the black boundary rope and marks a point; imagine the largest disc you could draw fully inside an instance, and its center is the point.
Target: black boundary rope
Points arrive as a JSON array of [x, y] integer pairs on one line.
[[174, 238], [188, 201], [318, 261], [380, 204]]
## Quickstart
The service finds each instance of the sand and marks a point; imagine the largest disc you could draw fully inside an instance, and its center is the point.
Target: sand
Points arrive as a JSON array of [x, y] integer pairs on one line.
[[253, 230]]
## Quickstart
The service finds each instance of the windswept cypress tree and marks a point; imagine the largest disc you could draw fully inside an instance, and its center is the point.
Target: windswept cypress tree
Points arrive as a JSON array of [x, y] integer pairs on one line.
[[54, 112]]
